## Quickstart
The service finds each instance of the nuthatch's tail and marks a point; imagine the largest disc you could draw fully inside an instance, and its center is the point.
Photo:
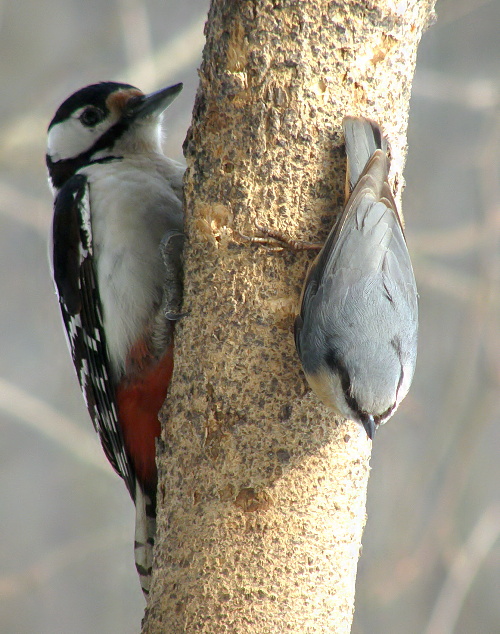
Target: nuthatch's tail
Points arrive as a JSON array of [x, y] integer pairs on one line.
[[362, 138]]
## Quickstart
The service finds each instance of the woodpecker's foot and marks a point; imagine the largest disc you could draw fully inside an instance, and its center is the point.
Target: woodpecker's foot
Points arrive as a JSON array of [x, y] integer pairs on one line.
[[169, 235], [277, 241], [171, 250], [172, 316]]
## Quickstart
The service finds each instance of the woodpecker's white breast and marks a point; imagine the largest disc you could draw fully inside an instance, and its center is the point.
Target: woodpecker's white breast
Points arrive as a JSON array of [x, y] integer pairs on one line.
[[133, 202]]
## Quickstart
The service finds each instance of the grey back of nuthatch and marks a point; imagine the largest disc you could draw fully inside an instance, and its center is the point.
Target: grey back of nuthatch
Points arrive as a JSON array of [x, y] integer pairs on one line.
[[356, 334]]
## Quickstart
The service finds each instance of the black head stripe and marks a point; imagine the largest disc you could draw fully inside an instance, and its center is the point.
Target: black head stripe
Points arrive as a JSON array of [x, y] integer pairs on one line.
[[61, 171], [336, 365], [94, 95], [333, 361]]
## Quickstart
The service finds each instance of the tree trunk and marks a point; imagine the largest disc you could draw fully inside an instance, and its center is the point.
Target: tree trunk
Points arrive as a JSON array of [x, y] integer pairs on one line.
[[262, 490]]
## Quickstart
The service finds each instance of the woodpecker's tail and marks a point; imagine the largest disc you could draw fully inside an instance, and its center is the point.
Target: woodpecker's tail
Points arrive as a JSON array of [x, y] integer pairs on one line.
[[145, 530], [362, 138]]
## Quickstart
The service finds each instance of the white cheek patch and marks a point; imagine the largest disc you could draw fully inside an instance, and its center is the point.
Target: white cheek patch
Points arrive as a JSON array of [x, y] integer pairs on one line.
[[70, 138], [62, 140]]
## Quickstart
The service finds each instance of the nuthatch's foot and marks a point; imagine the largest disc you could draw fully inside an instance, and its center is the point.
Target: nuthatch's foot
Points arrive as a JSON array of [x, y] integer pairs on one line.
[[275, 240]]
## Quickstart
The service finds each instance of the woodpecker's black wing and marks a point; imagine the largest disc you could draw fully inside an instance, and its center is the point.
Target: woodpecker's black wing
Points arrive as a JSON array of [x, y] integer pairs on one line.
[[78, 292]]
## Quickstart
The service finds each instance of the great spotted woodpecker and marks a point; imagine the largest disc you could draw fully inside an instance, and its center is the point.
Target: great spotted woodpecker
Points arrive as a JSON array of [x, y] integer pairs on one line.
[[116, 261]]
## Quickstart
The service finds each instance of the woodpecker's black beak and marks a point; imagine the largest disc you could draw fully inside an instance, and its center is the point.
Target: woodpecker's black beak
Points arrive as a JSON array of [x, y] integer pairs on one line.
[[155, 103], [370, 427]]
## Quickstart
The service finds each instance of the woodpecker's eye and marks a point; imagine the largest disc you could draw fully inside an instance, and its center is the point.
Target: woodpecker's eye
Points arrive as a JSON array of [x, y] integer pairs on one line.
[[91, 116]]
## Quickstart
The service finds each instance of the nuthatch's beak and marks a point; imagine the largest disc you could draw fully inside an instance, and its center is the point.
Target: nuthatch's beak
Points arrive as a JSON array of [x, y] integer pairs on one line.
[[370, 427], [155, 103]]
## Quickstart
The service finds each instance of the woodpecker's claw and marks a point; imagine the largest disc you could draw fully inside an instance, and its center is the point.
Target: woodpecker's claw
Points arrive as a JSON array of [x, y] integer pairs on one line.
[[169, 235], [171, 250], [172, 316]]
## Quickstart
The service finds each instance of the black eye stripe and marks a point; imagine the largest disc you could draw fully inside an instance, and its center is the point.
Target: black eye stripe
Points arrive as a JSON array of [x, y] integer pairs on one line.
[[94, 95], [336, 365]]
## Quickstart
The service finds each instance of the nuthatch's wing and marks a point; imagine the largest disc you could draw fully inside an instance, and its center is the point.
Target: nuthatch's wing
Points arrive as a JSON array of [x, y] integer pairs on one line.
[[357, 329]]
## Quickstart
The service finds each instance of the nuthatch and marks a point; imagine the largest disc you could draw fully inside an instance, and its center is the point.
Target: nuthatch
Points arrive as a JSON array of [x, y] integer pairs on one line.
[[356, 334]]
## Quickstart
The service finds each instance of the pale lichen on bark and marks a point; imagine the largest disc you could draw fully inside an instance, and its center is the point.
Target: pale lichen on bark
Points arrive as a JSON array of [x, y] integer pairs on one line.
[[262, 491]]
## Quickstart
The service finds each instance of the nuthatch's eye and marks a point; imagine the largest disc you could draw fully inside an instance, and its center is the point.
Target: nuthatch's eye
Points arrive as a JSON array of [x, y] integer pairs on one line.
[[91, 116]]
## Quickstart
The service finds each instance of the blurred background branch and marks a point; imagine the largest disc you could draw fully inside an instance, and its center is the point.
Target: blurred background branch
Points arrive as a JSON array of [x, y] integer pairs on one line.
[[45, 420]]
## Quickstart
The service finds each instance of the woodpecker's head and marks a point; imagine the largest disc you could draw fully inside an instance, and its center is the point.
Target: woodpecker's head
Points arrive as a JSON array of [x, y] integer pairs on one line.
[[102, 121]]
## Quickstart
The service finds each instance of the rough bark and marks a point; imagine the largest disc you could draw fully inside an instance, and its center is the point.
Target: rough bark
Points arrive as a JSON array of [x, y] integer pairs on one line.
[[262, 491]]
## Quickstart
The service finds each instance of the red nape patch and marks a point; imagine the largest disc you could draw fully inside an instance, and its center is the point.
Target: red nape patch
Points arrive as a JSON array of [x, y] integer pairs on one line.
[[139, 400]]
